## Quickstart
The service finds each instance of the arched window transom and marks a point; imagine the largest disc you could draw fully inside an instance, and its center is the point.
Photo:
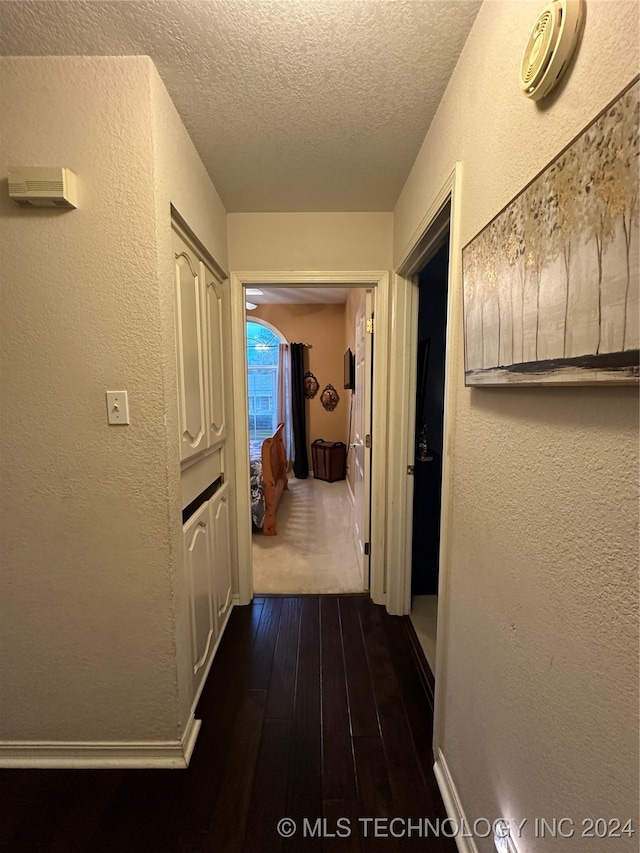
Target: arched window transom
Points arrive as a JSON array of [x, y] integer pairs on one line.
[[263, 345]]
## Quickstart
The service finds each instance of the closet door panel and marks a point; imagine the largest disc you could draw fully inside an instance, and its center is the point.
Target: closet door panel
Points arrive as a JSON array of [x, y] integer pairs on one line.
[[219, 515], [214, 294], [198, 566], [190, 352]]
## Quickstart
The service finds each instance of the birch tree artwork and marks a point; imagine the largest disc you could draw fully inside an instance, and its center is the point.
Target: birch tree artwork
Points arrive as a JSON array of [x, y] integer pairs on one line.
[[551, 285]]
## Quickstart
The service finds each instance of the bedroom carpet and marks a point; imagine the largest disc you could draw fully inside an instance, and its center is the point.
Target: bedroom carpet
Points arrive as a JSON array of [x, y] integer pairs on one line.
[[314, 551]]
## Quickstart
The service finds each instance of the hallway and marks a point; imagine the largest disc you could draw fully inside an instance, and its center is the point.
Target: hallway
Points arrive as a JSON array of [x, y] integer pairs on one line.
[[315, 707]]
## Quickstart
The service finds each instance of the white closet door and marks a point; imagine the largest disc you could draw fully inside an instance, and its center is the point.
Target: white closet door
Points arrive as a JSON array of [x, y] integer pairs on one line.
[[219, 515], [190, 349], [198, 566], [214, 294]]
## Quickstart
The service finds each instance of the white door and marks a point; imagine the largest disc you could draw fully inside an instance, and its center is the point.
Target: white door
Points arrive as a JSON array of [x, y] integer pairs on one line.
[[198, 566], [361, 434], [191, 381], [219, 517], [214, 292]]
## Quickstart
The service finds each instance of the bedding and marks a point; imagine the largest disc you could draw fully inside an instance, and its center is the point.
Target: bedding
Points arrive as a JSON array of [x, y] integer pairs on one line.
[[257, 483]]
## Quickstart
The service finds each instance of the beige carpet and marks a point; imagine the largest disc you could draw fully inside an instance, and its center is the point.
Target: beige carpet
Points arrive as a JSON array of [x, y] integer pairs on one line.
[[314, 551]]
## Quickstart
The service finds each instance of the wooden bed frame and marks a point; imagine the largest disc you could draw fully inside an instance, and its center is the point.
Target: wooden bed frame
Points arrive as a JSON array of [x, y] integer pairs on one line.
[[274, 477]]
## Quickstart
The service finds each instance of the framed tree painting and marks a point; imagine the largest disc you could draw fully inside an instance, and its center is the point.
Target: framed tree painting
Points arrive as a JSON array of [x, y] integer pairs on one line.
[[551, 285]]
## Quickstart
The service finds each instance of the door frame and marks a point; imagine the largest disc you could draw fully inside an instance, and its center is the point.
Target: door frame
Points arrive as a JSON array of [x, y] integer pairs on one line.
[[445, 209], [364, 427], [378, 280]]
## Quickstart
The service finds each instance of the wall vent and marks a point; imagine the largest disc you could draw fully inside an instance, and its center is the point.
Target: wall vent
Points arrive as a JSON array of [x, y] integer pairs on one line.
[[550, 47], [35, 186]]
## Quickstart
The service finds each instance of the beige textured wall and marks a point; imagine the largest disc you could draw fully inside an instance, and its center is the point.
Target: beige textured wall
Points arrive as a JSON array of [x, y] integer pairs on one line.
[[90, 534], [539, 691], [86, 610], [322, 326], [310, 241]]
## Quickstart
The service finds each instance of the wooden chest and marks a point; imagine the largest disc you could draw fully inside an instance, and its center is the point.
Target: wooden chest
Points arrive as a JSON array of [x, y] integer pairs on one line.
[[329, 460]]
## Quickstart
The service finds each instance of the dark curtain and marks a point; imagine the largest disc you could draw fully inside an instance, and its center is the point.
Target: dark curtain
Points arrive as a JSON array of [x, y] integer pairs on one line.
[[298, 415]]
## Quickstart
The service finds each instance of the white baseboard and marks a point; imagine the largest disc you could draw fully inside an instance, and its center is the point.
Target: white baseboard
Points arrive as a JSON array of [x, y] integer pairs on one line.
[[125, 754], [464, 842], [96, 755]]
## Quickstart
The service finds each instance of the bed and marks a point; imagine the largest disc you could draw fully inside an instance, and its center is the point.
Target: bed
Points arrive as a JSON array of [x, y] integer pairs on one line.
[[268, 471]]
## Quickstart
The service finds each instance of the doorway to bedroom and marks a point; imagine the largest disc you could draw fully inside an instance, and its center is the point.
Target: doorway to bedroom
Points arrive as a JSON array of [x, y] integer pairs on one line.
[[318, 538]]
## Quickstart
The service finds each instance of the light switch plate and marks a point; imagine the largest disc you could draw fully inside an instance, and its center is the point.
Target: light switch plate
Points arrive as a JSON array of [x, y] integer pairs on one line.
[[117, 407]]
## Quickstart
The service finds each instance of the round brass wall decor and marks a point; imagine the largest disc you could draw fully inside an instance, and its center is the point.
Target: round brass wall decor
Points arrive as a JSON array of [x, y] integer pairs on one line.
[[311, 385], [329, 398]]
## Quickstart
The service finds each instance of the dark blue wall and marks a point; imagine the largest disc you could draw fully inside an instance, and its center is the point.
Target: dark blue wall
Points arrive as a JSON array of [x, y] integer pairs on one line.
[[432, 320]]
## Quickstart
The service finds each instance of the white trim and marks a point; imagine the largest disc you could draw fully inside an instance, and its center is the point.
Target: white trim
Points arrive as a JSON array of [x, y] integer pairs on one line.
[[180, 224], [412, 259], [241, 431], [453, 806], [403, 384], [117, 754], [98, 755], [453, 376], [402, 402], [378, 279], [403, 376]]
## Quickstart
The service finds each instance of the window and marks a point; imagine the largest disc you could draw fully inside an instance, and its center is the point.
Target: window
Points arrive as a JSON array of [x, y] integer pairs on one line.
[[262, 359]]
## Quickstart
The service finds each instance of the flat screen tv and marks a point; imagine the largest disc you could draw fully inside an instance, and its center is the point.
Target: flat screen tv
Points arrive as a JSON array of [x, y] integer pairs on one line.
[[349, 370]]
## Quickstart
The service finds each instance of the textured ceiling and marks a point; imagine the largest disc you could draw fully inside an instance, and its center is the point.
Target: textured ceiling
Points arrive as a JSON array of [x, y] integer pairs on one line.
[[293, 105]]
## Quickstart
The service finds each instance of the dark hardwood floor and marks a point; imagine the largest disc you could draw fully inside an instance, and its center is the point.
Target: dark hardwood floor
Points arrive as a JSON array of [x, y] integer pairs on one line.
[[317, 708]]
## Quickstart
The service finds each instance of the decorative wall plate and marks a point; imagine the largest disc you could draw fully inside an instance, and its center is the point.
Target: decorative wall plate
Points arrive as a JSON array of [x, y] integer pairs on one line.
[[329, 398], [311, 385]]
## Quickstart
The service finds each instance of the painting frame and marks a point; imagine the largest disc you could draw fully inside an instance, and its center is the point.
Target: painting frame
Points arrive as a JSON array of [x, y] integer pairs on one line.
[[551, 283]]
